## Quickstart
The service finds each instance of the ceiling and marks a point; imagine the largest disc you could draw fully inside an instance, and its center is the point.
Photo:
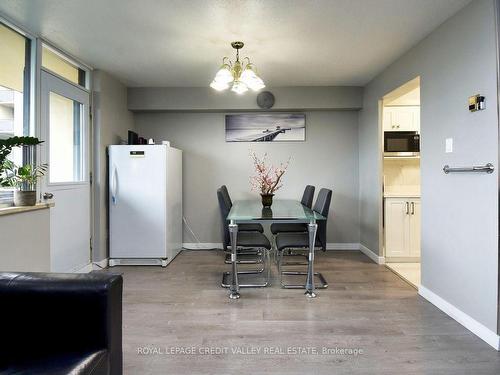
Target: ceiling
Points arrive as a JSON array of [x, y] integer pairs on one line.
[[407, 94], [181, 42]]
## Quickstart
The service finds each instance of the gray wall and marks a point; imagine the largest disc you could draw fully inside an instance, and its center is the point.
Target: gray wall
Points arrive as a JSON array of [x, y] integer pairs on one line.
[[205, 99], [112, 120], [328, 158], [459, 211]]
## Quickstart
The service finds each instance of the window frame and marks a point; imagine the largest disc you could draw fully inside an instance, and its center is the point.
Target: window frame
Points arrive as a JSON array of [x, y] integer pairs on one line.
[[35, 121], [7, 195], [68, 58]]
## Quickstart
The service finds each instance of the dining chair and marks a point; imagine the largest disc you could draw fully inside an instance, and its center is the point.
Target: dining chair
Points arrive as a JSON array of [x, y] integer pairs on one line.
[[253, 241], [307, 198], [241, 227], [248, 256], [297, 240]]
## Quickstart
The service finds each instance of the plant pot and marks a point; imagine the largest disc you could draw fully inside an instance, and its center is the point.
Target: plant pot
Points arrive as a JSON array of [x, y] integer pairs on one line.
[[24, 198], [267, 200]]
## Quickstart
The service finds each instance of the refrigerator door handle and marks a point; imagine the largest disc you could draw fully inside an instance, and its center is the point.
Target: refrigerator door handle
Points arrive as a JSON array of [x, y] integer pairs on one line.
[[113, 185]]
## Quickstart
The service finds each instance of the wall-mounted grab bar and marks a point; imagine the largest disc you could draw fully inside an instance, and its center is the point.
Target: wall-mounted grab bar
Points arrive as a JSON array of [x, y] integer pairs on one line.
[[488, 168]]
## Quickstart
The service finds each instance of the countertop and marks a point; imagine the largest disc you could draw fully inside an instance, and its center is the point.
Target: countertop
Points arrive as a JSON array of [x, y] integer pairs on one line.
[[15, 210]]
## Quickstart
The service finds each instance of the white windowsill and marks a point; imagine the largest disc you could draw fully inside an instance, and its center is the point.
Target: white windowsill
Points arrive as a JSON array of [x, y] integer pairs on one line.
[[15, 210]]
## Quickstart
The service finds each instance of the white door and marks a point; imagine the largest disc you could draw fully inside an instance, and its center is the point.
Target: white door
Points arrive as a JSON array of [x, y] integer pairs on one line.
[[402, 118], [396, 227], [415, 228], [65, 130]]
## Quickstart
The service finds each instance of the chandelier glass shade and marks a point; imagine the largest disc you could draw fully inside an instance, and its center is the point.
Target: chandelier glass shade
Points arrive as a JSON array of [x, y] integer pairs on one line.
[[240, 75]]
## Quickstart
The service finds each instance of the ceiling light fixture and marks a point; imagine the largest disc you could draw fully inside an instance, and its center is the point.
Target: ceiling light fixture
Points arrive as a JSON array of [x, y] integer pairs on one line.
[[240, 75]]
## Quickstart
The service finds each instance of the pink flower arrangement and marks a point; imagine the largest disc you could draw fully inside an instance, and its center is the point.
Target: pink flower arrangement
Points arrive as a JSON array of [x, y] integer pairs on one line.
[[267, 179]]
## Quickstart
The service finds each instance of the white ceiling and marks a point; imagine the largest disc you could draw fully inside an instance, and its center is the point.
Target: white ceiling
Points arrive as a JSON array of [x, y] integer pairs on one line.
[[181, 42]]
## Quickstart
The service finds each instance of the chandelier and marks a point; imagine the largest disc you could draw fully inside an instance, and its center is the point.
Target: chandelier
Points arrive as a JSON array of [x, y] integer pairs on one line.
[[240, 75]]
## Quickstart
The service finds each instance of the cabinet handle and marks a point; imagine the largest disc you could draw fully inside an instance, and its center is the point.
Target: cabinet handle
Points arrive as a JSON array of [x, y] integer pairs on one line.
[[413, 208], [407, 208]]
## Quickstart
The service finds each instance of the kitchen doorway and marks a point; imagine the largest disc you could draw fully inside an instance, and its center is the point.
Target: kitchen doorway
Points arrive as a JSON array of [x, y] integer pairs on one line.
[[401, 214]]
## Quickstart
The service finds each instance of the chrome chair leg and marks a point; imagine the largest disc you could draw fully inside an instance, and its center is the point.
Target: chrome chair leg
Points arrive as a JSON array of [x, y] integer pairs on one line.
[[323, 284], [246, 258], [292, 254], [226, 275], [268, 265]]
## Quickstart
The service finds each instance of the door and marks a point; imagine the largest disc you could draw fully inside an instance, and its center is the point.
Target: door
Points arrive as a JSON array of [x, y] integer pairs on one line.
[[415, 228], [65, 130], [403, 118], [396, 227], [137, 201]]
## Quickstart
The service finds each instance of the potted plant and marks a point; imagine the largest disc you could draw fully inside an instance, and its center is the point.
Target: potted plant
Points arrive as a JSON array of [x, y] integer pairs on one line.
[[6, 146], [24, 179], [268, 179]]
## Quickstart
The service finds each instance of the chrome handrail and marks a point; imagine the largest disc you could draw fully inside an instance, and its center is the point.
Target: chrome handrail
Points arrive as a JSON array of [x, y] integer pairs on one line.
[[488, 168]]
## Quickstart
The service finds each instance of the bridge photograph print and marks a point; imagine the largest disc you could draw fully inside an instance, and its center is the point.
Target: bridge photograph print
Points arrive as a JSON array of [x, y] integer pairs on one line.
[[269, 127]]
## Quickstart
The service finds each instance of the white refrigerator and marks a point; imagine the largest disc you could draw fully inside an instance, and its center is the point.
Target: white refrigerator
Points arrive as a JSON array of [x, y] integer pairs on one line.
[[145, 204]]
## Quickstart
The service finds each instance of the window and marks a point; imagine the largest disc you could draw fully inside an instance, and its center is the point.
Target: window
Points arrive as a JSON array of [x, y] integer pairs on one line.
[[66, 131], [56, 63], [15, 72]]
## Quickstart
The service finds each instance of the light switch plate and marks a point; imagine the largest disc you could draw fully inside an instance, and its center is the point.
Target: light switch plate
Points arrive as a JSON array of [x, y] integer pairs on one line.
[[449, 145]]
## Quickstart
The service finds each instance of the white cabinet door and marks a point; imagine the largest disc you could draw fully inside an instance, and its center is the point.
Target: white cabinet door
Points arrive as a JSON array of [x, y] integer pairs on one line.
[[416, 118], [397, 227], [404, 118], [415, 218], [387, 119]]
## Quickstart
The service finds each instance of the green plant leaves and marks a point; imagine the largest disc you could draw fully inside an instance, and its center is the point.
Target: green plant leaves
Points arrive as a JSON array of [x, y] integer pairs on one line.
[[9, 173]]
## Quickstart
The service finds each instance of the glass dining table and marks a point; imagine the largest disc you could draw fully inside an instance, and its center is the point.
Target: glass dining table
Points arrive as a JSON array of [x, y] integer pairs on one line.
[[282, 211]]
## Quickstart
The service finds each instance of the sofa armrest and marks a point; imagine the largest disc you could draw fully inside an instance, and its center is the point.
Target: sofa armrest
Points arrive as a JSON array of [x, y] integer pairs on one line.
[[43, 314]]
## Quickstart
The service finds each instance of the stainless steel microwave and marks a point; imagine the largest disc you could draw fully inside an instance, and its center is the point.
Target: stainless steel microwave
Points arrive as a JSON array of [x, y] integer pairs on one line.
[[403, 143]]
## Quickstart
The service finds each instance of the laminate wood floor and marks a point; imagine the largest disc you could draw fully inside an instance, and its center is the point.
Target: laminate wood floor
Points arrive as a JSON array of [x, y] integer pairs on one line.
[[408, 271], [276, 331]]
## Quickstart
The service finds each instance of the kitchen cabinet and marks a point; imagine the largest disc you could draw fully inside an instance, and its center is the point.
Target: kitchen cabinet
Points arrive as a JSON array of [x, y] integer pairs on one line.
[[402, 227], [402, 118]]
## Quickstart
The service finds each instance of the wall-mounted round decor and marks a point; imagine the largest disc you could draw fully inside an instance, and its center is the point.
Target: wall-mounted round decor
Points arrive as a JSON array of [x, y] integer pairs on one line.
[[265, 100]]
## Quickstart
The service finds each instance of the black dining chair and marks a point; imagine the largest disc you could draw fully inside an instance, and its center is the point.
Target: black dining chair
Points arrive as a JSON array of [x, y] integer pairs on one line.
[[248, 256], [241, 227], [253, 241], [285, 241], [307, 198]]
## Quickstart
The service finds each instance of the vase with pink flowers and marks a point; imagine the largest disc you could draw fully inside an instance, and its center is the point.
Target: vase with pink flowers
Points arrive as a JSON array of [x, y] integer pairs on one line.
[[267, 178]]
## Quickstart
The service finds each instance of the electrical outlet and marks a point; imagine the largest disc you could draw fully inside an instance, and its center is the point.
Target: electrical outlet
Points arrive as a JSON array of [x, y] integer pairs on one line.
[[449, 145]]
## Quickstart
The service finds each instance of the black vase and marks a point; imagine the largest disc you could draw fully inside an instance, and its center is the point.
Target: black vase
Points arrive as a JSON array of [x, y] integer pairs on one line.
[[267, 200]]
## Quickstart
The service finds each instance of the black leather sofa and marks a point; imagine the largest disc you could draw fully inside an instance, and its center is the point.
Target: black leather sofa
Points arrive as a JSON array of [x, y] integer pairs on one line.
[[60, 323]]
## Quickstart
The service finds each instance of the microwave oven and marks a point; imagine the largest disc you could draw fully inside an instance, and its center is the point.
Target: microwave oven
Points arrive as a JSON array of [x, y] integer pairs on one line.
[[403, 143]]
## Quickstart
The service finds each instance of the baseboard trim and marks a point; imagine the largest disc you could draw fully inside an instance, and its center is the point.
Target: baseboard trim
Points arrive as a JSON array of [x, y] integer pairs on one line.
[[351, 246], [372, 255], [342, 246], [210, 245], [468, 322], [85, 269], [201, 246], [90, 267], [100, 264]]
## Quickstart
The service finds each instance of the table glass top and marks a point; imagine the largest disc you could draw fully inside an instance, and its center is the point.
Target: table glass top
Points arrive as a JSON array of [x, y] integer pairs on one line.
[[247, 210]]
